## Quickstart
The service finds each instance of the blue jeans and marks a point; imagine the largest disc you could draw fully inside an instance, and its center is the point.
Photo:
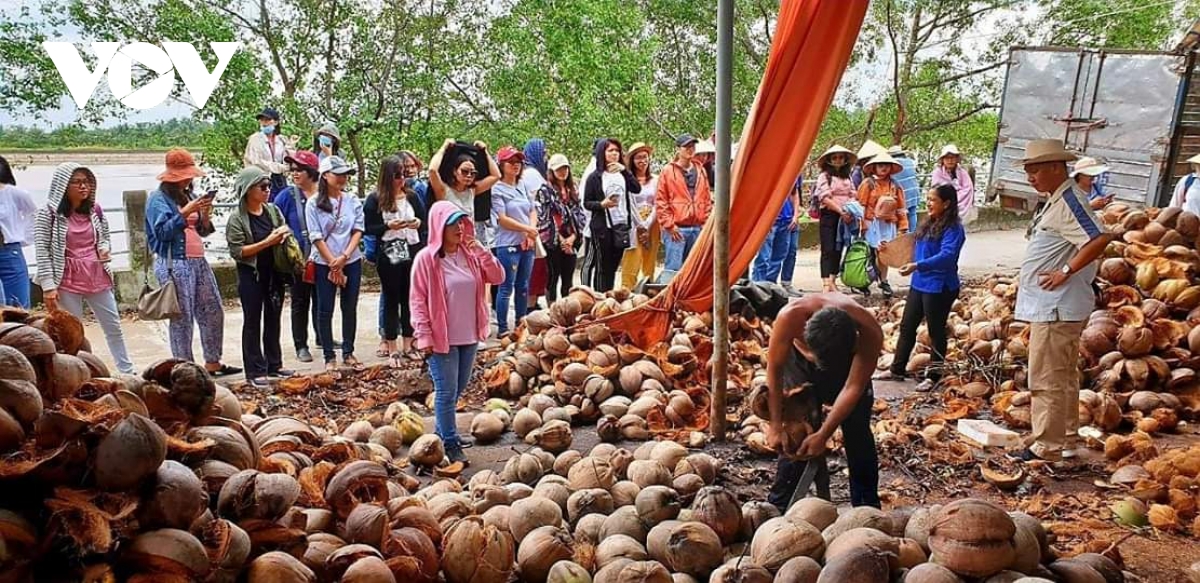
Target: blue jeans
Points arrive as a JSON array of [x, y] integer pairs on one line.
[[382, 300], [450, 373], [518, 268], [326, 292], [912, 219], [769, 261], [678, 251], [789, 259], [14, 275]]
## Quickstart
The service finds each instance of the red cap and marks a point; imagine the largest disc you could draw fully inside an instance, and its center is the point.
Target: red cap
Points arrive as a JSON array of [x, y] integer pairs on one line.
[[303, 158], [508, 153]]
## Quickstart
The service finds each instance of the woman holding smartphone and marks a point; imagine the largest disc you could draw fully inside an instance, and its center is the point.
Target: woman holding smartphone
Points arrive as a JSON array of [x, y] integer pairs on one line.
[[176, 224], [607, 195], [394, 215], [73, 254]]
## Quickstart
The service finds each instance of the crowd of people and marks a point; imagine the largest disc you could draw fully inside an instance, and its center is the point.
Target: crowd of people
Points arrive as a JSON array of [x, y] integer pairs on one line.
[[470, 243]]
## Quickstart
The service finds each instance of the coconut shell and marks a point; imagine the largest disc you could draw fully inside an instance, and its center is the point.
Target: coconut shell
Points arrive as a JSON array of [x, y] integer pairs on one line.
[[780, 539], [815, 511], [540, 550], [486, 428], [863, 538], [170, 552], [931, 573], [858, 517], [624, 520], [29, 341], [130, 454], [718, 508], [860, 565], [473, 552], [1073, 571], [176, 499], [687, 547], [279, 566]]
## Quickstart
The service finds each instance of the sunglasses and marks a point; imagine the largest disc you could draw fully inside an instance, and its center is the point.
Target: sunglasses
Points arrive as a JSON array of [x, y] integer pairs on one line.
[[467, 172]]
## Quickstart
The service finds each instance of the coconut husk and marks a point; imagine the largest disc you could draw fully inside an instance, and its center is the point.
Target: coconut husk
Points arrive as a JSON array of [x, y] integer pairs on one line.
[[898, 251]]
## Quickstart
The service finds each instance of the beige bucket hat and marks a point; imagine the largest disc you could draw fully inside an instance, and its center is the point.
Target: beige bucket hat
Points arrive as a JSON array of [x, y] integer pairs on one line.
[[1089, 167], [1046, 150]]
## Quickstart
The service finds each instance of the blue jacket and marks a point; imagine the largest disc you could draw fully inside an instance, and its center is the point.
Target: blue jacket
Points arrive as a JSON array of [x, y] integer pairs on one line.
[[285, 201], [937, 261], [907, 179], [165, 224]]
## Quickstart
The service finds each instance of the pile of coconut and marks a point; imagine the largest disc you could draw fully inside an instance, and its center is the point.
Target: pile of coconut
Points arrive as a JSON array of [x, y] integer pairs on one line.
[[565, 366], [1159, 490]]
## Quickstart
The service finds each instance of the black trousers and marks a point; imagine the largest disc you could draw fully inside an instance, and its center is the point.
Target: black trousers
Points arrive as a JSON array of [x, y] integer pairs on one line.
[[590, 259], [396, 281], [935, 310], [831, 256], [609, 253], [560, 273], [304, 304], [262, 306], [858, 441]]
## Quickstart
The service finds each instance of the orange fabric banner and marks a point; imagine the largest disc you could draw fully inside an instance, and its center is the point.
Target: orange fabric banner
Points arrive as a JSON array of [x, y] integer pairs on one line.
[[811, 49]]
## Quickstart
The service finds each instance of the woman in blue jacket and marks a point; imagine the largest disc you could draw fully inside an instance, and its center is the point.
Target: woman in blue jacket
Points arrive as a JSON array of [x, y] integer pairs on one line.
[[935, 283]]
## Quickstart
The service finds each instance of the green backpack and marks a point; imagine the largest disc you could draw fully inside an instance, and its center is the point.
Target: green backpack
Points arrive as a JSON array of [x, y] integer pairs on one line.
[[856, 265]]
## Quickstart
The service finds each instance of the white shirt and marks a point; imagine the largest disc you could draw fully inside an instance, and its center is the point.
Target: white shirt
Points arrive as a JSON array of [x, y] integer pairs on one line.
[[531, 179], [404, 212], [643, 204], [587, 217], [1192, 202], [17, 213]]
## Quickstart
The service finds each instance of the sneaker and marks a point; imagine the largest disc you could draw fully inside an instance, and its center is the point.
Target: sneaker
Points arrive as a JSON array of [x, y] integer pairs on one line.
[[303, 355], [455, 454], [926, 385], [260, 383], [886, 288], [466, 441], [1068, 454], [282, 373]]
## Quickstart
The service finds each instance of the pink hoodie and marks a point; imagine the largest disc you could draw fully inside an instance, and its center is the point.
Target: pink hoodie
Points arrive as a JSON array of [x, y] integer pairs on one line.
[[428, 294]]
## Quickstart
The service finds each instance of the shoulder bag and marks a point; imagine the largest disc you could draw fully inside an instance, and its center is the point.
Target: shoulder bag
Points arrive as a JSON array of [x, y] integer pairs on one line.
[[287, 256], [161, 303]]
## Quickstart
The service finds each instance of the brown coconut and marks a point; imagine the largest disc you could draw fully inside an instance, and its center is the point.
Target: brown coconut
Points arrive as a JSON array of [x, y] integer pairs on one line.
[[473, 552], [532, 513], [973, 538], [815, 511], [687, 547], [540, 550], [859, 565], [130, 454], [718, 508], [780, 539], [931, 573]]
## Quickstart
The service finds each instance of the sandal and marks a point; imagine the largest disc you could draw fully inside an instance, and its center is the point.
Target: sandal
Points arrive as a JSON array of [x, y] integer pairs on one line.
[[352, 362], [382, 351], [331, 366], [224, 371], [394, 360]]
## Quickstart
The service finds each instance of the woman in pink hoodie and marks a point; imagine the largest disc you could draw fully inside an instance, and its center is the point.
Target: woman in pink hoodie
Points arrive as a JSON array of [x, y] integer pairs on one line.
[[453, 270]]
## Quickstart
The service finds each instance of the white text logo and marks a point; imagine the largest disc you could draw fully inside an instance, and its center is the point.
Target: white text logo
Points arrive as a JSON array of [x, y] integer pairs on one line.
[[118, 61]]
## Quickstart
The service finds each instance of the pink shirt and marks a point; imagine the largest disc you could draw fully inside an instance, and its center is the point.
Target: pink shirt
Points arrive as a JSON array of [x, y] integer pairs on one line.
[[461, 287], [83, 272], [193, 245], [839, 190]]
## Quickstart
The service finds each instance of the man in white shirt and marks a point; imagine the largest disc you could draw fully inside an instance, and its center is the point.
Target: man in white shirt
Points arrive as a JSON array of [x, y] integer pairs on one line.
[[1187, 190]]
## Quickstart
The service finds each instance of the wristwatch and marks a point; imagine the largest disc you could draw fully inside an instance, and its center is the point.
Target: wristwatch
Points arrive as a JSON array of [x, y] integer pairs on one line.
[[1066, 269]]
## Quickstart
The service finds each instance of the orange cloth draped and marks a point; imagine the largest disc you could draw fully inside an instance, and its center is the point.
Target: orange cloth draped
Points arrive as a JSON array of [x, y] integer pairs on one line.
[[813, 40]]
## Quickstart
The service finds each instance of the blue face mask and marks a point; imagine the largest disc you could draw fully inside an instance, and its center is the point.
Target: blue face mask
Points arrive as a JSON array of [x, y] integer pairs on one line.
[[325, 141], [268, 130]]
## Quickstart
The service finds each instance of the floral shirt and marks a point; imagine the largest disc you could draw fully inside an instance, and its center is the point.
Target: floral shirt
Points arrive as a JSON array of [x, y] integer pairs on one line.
[[559, 217]]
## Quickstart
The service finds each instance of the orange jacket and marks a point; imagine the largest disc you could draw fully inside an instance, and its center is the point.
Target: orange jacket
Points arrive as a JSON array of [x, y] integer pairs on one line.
[[672, 203], [869, 193]]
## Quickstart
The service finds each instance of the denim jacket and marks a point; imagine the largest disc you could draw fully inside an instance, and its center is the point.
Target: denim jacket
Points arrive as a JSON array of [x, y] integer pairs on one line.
[[165, 225]]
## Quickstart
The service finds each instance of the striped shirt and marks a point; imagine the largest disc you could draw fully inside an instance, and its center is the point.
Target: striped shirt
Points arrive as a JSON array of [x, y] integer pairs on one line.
[[1064, 225]]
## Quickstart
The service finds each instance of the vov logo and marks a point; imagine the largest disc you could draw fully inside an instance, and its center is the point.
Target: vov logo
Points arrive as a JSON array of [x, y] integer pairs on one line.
[[118, 62]]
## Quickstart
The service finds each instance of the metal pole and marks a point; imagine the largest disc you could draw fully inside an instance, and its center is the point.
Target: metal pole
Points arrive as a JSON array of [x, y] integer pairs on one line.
[[720, 367]]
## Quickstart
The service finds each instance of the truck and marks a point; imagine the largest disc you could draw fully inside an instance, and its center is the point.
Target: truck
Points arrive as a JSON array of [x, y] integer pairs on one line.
[[1136, 111]]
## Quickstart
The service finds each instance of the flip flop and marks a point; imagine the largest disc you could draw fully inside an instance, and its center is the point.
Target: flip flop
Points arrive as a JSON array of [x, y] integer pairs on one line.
[[352, 362], [394, 360], [381, 352]]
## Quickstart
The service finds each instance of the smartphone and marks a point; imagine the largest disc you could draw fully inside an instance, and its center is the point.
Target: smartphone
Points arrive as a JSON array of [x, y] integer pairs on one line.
[[210, 194]]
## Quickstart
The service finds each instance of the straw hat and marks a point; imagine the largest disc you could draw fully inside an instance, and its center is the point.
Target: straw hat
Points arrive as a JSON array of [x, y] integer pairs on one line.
[[1088, 167], [949, 150], [836, 149], [638, 147], [1046, 150], [883, 158], [1194, 159], [181, 165], [870, 149]]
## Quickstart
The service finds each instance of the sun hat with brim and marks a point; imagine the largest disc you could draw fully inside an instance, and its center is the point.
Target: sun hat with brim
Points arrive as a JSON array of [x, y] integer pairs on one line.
[[1046, 150], [638, 147], [336, 165], [883, 158], [1088, 167], [896, 150], [1194, 159], [706, 147], [835, 149], [558, 161], [303, 158], [949, 150], [870, 149], [181, 165]]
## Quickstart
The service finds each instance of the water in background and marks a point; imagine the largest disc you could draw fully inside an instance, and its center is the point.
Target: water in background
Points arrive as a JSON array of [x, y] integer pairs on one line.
[[111, 181]]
